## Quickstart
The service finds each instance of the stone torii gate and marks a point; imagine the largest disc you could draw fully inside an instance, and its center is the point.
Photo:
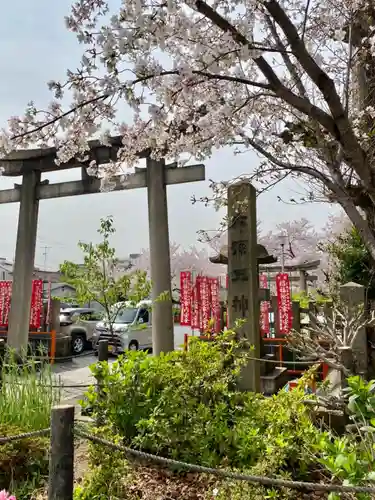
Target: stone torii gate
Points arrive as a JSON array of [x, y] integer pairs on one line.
[[30, 164]]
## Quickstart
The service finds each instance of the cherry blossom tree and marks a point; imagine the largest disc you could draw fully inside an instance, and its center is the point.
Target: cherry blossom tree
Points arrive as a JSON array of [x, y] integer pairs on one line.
[[191, 259], [299, 237], [292, 80]]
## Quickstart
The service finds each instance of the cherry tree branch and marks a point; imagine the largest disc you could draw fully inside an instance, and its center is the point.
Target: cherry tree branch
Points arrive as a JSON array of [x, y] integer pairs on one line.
[[300, 103], [286, 58], [143, 79], [325, 84], [303, 169]]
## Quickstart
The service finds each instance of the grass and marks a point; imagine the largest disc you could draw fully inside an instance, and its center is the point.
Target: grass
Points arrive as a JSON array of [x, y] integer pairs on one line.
[[26, 395]]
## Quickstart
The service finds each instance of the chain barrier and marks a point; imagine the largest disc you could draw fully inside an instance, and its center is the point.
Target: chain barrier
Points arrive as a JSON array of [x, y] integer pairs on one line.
[[265, 481]]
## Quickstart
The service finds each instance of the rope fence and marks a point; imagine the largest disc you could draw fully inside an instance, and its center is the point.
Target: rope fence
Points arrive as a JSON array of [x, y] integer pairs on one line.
[[63, 358], [64, 428], [50, 386], [86, 386], [24, 435]]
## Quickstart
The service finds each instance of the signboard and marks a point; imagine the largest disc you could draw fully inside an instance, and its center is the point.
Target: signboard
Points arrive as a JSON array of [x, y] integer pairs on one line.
[[264, 308], [185, 298], [36, 309], [284, 303]]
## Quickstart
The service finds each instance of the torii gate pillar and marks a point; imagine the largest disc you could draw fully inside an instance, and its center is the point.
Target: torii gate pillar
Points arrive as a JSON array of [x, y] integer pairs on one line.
[[162, 319], [31, 164], [19, 315]]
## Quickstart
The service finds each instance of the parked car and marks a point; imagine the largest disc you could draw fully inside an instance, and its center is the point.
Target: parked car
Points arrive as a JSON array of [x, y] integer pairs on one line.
[[79, 323], [131, 327]]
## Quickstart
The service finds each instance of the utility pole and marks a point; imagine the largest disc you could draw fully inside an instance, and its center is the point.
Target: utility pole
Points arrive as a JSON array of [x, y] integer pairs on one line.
[[45, 254], [282, 258]]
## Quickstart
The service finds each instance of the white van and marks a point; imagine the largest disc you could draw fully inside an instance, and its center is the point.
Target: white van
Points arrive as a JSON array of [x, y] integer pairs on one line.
[[131, 328]]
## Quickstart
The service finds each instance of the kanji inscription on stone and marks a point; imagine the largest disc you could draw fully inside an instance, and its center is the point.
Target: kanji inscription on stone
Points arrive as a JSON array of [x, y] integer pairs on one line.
[[239, 248], [239, 275], [240, 305], [239, 221]]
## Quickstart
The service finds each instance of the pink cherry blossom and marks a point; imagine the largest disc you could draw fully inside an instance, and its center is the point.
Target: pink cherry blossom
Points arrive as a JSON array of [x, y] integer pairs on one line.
[[6, 496], [291, 80]]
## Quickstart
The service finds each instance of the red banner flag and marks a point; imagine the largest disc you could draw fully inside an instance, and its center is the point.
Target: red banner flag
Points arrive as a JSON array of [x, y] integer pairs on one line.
[[185, 298], [5, 295], [36, 308], [215, 303], [263, 281], [204, 296], [195, 323], [36, 304], [264, 317], [3, 286], [284, 303], [7, 299], [264, 307], [49, 299]]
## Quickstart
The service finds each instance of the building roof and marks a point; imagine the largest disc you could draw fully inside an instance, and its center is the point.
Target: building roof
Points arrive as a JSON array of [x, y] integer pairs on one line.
[[262, 255], [302, 263]]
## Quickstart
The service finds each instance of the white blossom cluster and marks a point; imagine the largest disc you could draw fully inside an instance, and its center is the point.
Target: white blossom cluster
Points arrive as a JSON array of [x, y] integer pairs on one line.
[[198, 75]]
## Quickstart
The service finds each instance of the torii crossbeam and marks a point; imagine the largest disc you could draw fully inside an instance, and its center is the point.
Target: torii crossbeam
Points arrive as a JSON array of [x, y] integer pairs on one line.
[[30, 164]]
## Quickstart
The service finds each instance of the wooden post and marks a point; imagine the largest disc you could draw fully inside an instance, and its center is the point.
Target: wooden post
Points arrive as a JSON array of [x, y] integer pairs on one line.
[[102, 356], [61, 465], [243, 291], [103, 350]]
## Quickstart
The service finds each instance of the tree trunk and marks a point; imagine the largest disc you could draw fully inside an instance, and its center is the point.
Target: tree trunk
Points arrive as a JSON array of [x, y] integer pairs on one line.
[[363, 97], [364, 226]]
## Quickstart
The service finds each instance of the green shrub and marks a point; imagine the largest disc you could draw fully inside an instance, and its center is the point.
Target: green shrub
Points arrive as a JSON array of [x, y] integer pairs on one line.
[[108, 474], [186, 406], [23, 464], [350, 458]]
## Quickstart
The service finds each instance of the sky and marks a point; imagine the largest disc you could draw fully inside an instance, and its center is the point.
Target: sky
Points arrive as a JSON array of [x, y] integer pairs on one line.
[[35, 47]]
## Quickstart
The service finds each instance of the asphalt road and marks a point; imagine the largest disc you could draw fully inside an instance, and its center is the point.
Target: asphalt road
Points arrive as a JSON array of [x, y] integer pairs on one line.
[[76, 372]]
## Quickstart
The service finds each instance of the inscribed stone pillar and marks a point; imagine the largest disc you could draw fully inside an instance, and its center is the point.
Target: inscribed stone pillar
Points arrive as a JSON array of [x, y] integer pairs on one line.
[[243, 291], [353, 295]]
